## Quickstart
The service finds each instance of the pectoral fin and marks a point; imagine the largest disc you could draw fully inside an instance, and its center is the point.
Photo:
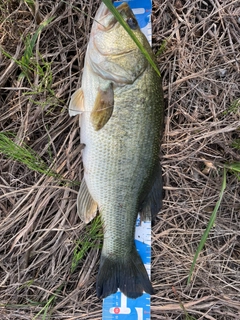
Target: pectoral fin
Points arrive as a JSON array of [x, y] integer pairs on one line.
[[86, 206], [152, 204], [76, 105], [103, 108]]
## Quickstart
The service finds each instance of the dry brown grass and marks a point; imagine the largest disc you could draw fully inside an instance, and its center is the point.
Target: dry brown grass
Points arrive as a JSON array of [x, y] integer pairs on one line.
[[39, 226]]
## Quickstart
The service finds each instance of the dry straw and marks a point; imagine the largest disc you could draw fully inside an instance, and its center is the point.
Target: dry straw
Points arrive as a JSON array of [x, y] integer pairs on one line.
[[39, 228]]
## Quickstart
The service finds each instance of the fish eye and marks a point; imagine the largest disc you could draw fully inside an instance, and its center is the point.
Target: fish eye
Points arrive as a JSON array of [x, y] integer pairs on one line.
[[132, 22]]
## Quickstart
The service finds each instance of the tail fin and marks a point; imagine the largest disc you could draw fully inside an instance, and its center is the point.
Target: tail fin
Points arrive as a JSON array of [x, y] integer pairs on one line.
[[128, 274]]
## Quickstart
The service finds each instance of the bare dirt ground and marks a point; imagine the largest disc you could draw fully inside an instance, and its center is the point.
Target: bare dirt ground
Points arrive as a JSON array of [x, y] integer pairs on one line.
[[38, 222]]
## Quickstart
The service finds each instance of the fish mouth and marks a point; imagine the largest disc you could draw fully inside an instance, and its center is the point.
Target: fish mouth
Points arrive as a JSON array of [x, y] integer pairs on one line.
[[103, 10], [104, 13]]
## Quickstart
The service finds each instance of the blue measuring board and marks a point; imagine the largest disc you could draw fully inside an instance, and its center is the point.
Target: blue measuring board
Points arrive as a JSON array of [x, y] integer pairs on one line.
[[117, 306]]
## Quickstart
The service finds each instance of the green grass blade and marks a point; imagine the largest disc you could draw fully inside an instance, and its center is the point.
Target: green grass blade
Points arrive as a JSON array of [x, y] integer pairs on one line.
[[234, 168], [163, 47], [23, 154], [236, 144], [47, 306], [31, 3], [209, 226], [30, 43], [117, 15], [90, 239]]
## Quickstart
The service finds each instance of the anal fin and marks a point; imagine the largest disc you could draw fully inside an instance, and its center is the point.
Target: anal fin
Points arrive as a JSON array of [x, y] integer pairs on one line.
[[76, 105], [86, 206]]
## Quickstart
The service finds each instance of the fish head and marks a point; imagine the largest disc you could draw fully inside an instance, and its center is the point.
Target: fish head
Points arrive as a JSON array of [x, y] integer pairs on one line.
[[112, 53]]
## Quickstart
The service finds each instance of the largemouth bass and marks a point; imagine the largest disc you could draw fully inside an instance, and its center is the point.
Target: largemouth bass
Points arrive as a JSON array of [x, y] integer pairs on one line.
[[121, 107]]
